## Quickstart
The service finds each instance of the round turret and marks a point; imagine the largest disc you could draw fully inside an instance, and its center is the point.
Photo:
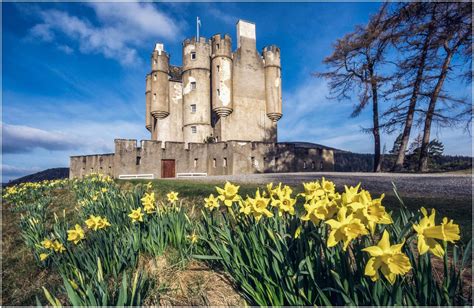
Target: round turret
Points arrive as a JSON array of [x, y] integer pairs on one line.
[[221, 75], [196, 89], [271, 56], [159, 83], [148, 102], [196, 55]]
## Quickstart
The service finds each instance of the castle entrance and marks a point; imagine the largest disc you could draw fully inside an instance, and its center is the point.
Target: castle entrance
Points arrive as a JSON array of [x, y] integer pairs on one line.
[[168, 168]]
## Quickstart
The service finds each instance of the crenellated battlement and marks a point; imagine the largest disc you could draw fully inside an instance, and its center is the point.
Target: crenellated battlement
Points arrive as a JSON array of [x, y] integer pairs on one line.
[[193, 41]]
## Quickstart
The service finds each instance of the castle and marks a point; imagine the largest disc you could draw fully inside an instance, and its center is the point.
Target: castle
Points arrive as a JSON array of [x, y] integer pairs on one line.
[[217, 114], [217, 94]]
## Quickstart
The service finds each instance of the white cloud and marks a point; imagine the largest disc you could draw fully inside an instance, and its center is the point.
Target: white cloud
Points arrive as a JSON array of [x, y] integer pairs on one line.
[[221, 15], [21, 139], [66, 49], [122, 28]]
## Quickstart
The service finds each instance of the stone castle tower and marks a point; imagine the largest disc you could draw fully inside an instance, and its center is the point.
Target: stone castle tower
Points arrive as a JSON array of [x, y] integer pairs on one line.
[[216, 93]]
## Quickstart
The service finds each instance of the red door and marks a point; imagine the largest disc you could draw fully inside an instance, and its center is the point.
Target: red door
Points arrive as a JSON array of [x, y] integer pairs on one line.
[[168, 168]]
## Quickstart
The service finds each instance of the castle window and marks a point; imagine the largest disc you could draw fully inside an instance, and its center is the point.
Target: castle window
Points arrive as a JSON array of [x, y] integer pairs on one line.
[[195, 163], [193, 109], [154, 77], [224, 163], [139, 160], [154, 96], [313, 165], [193, 85], [217, 46], [193, 56], [321, 165], [193, 129], [218, 68], [214, 163], [252, 161], [154, 61], [304, 165], [218, 92]]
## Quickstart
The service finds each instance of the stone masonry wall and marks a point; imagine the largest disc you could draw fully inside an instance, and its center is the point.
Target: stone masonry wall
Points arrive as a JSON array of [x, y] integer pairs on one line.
[[221, 158]]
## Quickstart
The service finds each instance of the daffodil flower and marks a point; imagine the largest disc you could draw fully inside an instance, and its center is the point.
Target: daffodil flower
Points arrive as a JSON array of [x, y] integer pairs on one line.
[[386, 258], [172, 196], [75, 235], [259, 206], [211, 202], [136, 215], [319, 209], [228, 194], [345, 229], [428, 233], [58, 247], [47, 243], [43, 256], [148, 202]]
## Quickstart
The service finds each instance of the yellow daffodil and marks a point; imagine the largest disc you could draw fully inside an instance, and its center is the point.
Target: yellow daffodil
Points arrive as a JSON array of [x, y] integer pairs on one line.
[[370, 212], [104, 190], [319, 209], [172, 196], [193, 238], [328, 186], [58, 247], [148, 202], [75, 235], [211, 202], [284, 202], [312, 190], [47, 243], [97, 222], [389, 259], [428, 233], [298, 232], [228, 194], [149, 186], [259, 206], [136, 215], [43, 256], [345, 229], [245, 206]]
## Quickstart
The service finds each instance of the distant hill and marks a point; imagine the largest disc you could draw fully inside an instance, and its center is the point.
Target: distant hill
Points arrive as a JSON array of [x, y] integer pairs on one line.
[[48, 174]]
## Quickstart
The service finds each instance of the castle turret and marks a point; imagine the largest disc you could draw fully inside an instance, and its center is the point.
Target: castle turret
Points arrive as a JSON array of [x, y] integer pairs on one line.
[[196, 90], [148, 102], [159, 83], [221, 63], [271, 56]]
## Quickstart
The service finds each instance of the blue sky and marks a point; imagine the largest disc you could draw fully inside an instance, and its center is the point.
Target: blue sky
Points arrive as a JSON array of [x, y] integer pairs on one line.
[[74, 74]]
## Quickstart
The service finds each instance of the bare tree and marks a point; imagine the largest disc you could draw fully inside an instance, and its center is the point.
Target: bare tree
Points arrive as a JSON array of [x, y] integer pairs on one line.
[[414, 29], [453, 35], [354, 69]]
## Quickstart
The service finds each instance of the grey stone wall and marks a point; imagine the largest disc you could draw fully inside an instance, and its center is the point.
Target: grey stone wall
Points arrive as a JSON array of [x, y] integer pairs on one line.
[[221, 158]]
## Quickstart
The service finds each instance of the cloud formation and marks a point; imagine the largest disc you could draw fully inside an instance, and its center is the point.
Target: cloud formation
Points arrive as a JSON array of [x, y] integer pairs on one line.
[[24, 139], [120, 28], [9, 172]]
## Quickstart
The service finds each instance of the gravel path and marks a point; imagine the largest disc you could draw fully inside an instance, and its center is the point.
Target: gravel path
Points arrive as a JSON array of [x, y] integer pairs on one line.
[[452, 186]]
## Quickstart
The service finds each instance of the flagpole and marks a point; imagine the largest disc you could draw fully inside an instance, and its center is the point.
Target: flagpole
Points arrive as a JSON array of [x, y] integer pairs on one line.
[[197, 28]]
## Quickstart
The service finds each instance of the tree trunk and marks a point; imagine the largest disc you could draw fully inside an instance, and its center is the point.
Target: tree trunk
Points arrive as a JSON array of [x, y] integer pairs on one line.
[[414, 97], [423, 162], [376, 129]]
